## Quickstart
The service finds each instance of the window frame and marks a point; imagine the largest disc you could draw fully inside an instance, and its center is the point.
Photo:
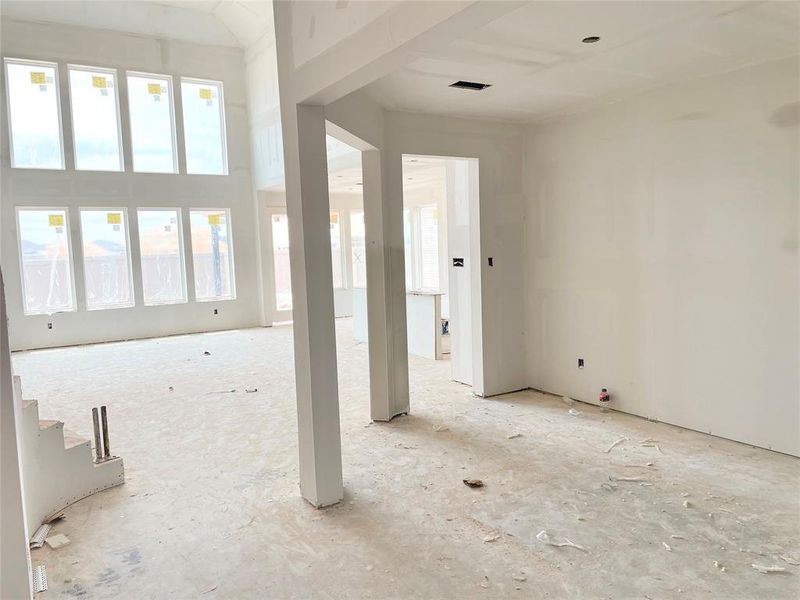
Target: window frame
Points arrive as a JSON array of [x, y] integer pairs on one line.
[[124, 211], [223, 126], [231, 261], [181, 248], [56, 81], [342, 269], [121, 153], [68, 229], [171, 91], [350, 214]]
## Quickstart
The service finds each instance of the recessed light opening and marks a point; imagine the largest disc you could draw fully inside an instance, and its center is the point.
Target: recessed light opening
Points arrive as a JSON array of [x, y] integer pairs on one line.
[[470, 85]]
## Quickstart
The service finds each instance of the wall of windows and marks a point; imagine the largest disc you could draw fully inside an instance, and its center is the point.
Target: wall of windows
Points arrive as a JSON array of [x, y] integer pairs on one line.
[[48, 271], [135, 278], [35, 127]]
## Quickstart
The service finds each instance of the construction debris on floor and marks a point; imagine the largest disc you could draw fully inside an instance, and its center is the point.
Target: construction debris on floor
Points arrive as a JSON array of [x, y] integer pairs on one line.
[[605, 505]]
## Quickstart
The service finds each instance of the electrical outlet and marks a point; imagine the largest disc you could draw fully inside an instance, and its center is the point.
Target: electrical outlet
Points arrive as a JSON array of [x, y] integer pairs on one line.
[[216, 311], [580, 363], [49, 325]]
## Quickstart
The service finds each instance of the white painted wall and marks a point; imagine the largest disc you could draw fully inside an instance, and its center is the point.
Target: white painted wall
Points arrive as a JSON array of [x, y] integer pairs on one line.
[[66, 44], [497, 292], [662, 246]]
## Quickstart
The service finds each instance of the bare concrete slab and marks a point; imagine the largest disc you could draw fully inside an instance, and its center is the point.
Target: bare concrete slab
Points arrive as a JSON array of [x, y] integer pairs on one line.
[[211, 507]]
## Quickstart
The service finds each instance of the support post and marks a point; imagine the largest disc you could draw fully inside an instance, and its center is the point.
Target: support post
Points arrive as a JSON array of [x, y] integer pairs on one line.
[[386, 287], [308, 210]]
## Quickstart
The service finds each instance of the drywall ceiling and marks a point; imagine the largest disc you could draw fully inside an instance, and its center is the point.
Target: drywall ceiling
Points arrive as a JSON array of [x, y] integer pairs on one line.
[[237, 23], [539, 68], [418, 172], [345, 175]]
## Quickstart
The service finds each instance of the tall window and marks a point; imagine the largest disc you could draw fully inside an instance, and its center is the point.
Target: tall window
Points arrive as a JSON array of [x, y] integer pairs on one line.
[[106, 261], [152, 123], [407, 247], [358, 248], [281, 263], [34, 114], [204, 127], [47, 283], [336, 251], [429, 246], [161, 244], [95, 119], [212, 254]]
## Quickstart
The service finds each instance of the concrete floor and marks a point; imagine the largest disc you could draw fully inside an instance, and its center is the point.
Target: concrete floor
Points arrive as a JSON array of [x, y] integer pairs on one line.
[[211, 507]]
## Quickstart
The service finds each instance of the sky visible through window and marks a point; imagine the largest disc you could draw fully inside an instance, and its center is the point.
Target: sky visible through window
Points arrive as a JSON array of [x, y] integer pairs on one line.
[[33, 112], [203, 127], [152, 126], [106, 267], [95, 123], [46, 266], [211, 254], [161, 257]]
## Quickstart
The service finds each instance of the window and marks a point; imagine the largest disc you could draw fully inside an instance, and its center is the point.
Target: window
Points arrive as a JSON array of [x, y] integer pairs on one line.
[[358, 248], [204, 127], [106, 261], [212, 254], [152, 123], [280, 258], [34, 114], [95, 119], [45, 260], [407, 248], [160, 242], [336, 251], [429, 246]]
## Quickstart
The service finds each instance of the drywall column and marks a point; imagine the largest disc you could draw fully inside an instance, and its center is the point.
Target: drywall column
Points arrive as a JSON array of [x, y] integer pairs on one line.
[[305, 167], [386, 289], [14, 554], [307, 206]]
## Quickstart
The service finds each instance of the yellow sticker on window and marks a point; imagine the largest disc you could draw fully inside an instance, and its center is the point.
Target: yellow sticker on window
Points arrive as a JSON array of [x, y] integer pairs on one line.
[[98, 82], [205, 93], [114, 218], [214, 219], [38, 77], [154, 88], [56, 220]]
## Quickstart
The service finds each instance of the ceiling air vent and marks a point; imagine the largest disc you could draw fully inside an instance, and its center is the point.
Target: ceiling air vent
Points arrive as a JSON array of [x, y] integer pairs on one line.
[[470, 85]]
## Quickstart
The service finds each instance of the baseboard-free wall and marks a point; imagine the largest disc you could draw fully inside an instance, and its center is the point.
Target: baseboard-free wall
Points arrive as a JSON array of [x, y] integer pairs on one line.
[[76, 189], [662, 247]]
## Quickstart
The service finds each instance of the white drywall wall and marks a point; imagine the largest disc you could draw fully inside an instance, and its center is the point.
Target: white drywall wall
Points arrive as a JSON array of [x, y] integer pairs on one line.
[[497, 292], [14, 554], [662, 246], [74, 189]]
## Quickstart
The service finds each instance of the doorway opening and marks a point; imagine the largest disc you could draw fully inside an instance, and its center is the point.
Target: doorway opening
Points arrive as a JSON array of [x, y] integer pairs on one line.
[[440, 227]]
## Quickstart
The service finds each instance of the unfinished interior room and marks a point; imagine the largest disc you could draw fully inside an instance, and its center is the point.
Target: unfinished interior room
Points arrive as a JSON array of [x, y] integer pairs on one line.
[[419, 299]]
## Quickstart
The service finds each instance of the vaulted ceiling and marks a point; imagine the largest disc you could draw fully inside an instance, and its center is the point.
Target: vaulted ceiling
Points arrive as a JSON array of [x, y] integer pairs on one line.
[[237, 23]]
